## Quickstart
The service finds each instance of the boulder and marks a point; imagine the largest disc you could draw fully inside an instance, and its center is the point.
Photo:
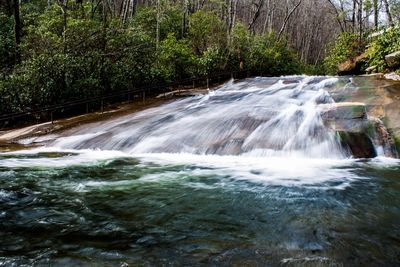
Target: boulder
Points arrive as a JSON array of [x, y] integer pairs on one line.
[[393, 59], [353, 66], [343, 111], [371, 69], [392, 76]]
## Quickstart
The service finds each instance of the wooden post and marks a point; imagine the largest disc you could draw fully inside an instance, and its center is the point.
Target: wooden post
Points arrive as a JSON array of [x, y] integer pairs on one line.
[[208, 83], [51, 117], [102, 106]]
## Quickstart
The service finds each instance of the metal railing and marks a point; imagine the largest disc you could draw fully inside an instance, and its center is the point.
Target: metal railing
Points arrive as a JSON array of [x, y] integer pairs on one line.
[[98, 103]]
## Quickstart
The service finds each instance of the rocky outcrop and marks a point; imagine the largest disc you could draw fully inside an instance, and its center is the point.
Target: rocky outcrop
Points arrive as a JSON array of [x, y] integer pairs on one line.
[[358, 133], [393, 59], [383, 139], [345, 116], [353, 66]]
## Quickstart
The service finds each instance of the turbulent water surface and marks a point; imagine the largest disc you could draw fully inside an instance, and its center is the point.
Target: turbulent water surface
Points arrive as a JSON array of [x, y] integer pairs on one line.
[[246, 175]]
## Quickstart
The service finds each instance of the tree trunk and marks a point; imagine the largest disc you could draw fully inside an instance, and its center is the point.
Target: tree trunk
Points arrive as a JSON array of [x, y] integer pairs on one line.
[[17, 30], [158, 24], [388, 14], [376, 14], [287, 19]]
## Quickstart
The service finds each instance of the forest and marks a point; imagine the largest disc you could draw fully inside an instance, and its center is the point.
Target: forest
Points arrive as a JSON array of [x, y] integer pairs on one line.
[[57, 51]]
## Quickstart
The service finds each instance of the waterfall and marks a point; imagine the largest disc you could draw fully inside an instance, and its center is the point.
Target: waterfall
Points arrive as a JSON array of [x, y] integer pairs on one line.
[[255, 117]]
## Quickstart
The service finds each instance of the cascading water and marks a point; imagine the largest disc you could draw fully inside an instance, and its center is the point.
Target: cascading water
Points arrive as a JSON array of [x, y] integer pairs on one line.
[[246, 175], [255, 117]]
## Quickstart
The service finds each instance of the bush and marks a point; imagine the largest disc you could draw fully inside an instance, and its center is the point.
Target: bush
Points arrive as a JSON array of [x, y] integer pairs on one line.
[[382, 45], [206, 31], [272, 56], [175, 59]]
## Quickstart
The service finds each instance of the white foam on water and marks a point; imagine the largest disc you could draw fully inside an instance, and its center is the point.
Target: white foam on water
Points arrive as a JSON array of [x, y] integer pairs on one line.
[[70, 157], [272, 170]]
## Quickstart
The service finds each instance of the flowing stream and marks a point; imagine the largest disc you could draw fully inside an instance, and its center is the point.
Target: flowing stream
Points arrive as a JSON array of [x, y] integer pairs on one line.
[[246, 175]]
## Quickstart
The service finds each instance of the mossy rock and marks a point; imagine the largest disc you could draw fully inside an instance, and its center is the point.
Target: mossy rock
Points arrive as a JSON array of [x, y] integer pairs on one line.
[[359, 144]]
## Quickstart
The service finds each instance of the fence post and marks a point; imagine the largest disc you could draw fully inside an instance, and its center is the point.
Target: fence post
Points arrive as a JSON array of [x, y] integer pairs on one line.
[[51, 117], [208, 83], [102, 106]]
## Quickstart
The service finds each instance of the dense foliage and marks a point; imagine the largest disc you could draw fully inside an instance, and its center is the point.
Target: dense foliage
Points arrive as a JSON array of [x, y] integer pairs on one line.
[[84, 54], [374, 48], [382, 45], [346, 46]]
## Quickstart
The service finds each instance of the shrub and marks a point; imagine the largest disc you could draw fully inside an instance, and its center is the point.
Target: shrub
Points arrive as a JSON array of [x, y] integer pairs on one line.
[[346, 46], [382, 45]]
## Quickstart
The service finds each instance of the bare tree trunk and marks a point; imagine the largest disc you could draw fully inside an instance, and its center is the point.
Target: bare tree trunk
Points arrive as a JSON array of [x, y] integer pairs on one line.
[[17, 30], [360, 19], [158, 24], [287, 19], [376, 14], [354, 15], [337, 15], [388, 14], [256, 15]]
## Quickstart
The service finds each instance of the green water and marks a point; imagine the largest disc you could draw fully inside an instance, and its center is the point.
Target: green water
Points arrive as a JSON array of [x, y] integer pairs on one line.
[[77, 209]]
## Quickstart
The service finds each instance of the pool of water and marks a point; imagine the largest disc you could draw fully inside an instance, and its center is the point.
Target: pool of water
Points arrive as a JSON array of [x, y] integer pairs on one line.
[[63, 207]]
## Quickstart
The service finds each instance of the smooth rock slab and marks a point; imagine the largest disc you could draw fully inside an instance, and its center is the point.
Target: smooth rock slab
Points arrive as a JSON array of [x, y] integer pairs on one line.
[[344, 111]]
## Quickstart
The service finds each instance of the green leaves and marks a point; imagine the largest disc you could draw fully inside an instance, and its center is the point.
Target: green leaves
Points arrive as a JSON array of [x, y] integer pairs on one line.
[[346, 46], [82, 55], [384, 44], [175, 59]]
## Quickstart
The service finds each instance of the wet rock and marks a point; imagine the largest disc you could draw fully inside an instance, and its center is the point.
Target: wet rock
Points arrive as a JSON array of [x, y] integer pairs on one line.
[[344, 111], [359, 144], [393, 59], [229, 147], [383, 138]]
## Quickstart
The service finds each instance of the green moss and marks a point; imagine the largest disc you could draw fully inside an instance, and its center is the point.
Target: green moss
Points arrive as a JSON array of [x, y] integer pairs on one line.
[[370, 129], [397, 142]]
